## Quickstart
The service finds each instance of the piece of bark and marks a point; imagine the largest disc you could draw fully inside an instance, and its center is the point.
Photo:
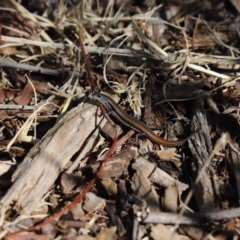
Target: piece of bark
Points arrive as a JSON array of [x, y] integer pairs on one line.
[[170, 199], [236, 4], [157, 175], [167, 154], [4, 167], [42, 165], [144, 190], [16, 151], [77, 211], [195, 232], [115, 219], [122, 196], [148, 114], [110, 186], [235, 166], [69, 233], [110, 130], [163, 232], [117, 164], [108, 234], [201, 147], [92, 203], [69, 181]]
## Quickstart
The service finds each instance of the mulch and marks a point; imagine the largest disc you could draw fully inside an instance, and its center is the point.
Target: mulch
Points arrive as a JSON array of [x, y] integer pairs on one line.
[[71, 168]]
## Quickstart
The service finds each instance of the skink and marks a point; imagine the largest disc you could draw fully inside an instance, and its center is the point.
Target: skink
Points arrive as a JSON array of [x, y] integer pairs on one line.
[[134, 123]]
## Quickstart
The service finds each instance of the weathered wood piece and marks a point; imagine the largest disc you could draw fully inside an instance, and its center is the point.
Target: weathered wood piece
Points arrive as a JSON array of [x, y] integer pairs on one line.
[[170, 199], [235, 165], [144, 190], [115, 219], [42, 165], [93, 203], [157, 175], [116, 166], [201, 147]]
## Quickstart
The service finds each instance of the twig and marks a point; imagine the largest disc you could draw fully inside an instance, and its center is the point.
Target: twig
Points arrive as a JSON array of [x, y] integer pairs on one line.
[[190, 218], [54, 72], [20, 107], [200, 59], [87, 66]]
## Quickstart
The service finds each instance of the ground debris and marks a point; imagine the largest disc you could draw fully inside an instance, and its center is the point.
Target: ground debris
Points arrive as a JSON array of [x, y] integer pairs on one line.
[[70, 169]]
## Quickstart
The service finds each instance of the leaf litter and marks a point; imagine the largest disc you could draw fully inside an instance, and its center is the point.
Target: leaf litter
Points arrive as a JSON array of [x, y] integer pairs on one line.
[[173, 65]]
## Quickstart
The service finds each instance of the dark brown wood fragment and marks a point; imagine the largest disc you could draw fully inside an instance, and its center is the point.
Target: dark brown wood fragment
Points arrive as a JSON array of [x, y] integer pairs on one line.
[[170, 199], [115, 219], [116, 166], [201, 147], [93, 203], [144, 190], [234, 156]]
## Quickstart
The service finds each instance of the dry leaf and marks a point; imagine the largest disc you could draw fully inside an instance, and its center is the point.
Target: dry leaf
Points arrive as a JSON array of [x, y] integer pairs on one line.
[[6, 94], [167, 154], [22, 99]]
